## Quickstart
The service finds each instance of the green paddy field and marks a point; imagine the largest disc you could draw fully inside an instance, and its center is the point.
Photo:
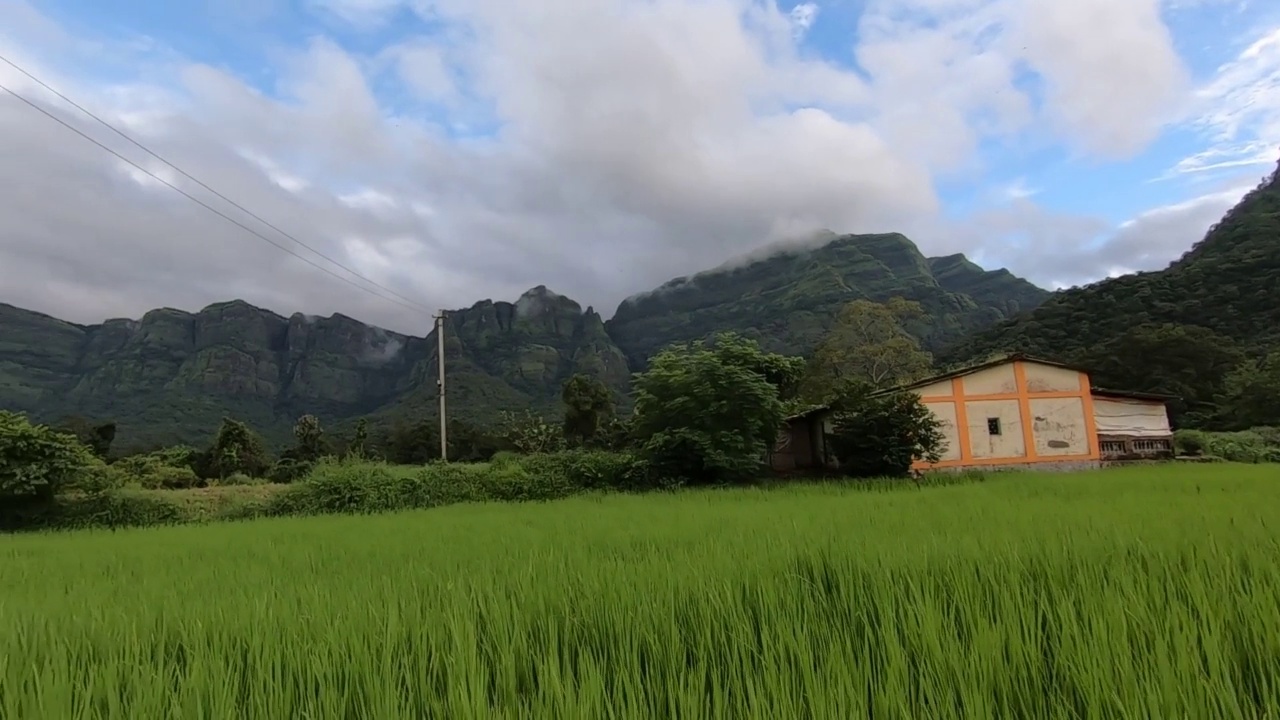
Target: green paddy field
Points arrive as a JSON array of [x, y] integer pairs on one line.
[[1147, 592]]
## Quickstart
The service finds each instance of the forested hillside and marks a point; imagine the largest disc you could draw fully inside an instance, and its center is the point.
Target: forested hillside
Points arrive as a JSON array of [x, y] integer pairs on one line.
[[172, 375], [788, 301]]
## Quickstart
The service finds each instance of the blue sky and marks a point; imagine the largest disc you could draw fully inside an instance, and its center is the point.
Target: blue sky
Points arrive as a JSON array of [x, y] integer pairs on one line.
[[461, 149]]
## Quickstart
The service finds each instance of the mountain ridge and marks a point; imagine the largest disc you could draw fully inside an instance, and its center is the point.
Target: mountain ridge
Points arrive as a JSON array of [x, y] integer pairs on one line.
[[171, 374]]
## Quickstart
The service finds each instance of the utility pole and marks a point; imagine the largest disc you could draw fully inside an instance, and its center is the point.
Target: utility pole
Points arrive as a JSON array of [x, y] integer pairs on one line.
[[444, 432]]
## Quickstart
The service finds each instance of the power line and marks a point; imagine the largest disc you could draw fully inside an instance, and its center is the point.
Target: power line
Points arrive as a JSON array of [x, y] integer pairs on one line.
[[403, 302]]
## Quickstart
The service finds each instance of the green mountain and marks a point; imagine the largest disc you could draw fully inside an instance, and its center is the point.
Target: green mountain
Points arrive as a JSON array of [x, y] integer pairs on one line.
[[171, 376], [786, 301], [1229, 282], [1180, 330]]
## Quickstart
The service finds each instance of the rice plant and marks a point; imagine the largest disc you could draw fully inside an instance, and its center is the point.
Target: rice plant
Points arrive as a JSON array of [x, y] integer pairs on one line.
[[1138, 593]]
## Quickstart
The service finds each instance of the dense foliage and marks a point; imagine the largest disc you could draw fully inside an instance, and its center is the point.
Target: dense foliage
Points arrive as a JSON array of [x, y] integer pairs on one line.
[[882, 434], [36, 461], [868, 347], [709, 413]]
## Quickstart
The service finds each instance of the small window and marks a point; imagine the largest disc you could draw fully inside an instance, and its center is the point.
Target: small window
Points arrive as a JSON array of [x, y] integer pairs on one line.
[[993, 426]]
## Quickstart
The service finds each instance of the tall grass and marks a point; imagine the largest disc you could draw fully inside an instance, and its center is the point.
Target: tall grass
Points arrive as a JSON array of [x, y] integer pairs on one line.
[[1147, 592]]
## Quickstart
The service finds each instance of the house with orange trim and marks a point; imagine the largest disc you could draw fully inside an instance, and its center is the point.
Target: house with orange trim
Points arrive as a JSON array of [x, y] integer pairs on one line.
[[1013, 412]]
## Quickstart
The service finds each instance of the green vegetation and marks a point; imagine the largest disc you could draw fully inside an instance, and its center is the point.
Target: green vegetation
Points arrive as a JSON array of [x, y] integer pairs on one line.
[[171, 376], [867, 345], [710, 414], [1144, 592], [1206, 329], [788, 301], [705, 414], [1257, 445]]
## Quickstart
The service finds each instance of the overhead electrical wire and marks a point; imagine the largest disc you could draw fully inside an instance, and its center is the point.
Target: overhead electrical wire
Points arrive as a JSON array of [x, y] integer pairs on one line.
[[403, 301]]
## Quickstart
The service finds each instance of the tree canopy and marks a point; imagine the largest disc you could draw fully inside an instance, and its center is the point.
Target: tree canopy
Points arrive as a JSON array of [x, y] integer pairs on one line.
[[709, 413]]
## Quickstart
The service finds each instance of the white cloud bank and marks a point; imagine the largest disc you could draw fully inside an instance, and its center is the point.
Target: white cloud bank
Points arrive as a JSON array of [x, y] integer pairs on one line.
[[631, 142]]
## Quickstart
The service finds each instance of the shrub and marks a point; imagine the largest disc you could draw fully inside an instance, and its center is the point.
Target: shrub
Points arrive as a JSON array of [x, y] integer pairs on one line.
[[287, 470], [176, 478], [600, 470], [1259, 445], [35, 461], [152, 473], [337, 486], [881, 435], [1189, 442], [515, 482], [237, 479], [505, 457]]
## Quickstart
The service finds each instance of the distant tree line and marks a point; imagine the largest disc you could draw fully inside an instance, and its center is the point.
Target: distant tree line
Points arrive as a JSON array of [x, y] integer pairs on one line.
[[705, 413]]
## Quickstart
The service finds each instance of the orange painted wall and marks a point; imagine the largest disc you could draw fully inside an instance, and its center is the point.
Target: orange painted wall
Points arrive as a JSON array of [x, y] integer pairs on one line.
[[1012, 387]]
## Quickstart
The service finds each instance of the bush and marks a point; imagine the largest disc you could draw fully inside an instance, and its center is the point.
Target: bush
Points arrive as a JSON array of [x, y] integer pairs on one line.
[[882, 435], [35, 461], [151, 472], [600, 470], [237, 479], [287, 470], [1259, 445], [1189, 442]]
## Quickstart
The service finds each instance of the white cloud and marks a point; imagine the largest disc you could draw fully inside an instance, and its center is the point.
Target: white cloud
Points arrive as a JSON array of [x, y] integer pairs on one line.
[[364, 14], [802, 17], [1239, 110], [631, 142], [953, 72], [1019, 190]]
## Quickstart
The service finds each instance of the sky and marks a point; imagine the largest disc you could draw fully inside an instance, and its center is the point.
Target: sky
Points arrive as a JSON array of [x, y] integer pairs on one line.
[[456, 150]]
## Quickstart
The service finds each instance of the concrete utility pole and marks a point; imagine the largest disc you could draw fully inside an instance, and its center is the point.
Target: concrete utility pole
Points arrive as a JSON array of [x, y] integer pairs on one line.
[[444, 432]]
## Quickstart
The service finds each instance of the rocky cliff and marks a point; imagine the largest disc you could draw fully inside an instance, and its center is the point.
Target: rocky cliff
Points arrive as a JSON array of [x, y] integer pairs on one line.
[[172, 375]]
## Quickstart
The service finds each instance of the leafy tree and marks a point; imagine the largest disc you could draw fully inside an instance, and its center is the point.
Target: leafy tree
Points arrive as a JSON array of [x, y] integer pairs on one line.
[[588, 405], [867, 344], [310, 443], [37, 461], [236, 448], [358, 445], [709, 413], [615, 435], [880, 435], [1251, 394], [413, 444], [95, 436], [472, 443], [531, 434]]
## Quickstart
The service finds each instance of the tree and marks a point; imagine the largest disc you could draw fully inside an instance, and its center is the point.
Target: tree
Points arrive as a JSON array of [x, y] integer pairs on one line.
[[358, 445], [588, 405], [709, 413], [237, 449], [1251, 394], [95, 436], [882, 434], [867, 344], [413, 444], [472, 443], [37, 461], [310, 443], [530, 434]]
